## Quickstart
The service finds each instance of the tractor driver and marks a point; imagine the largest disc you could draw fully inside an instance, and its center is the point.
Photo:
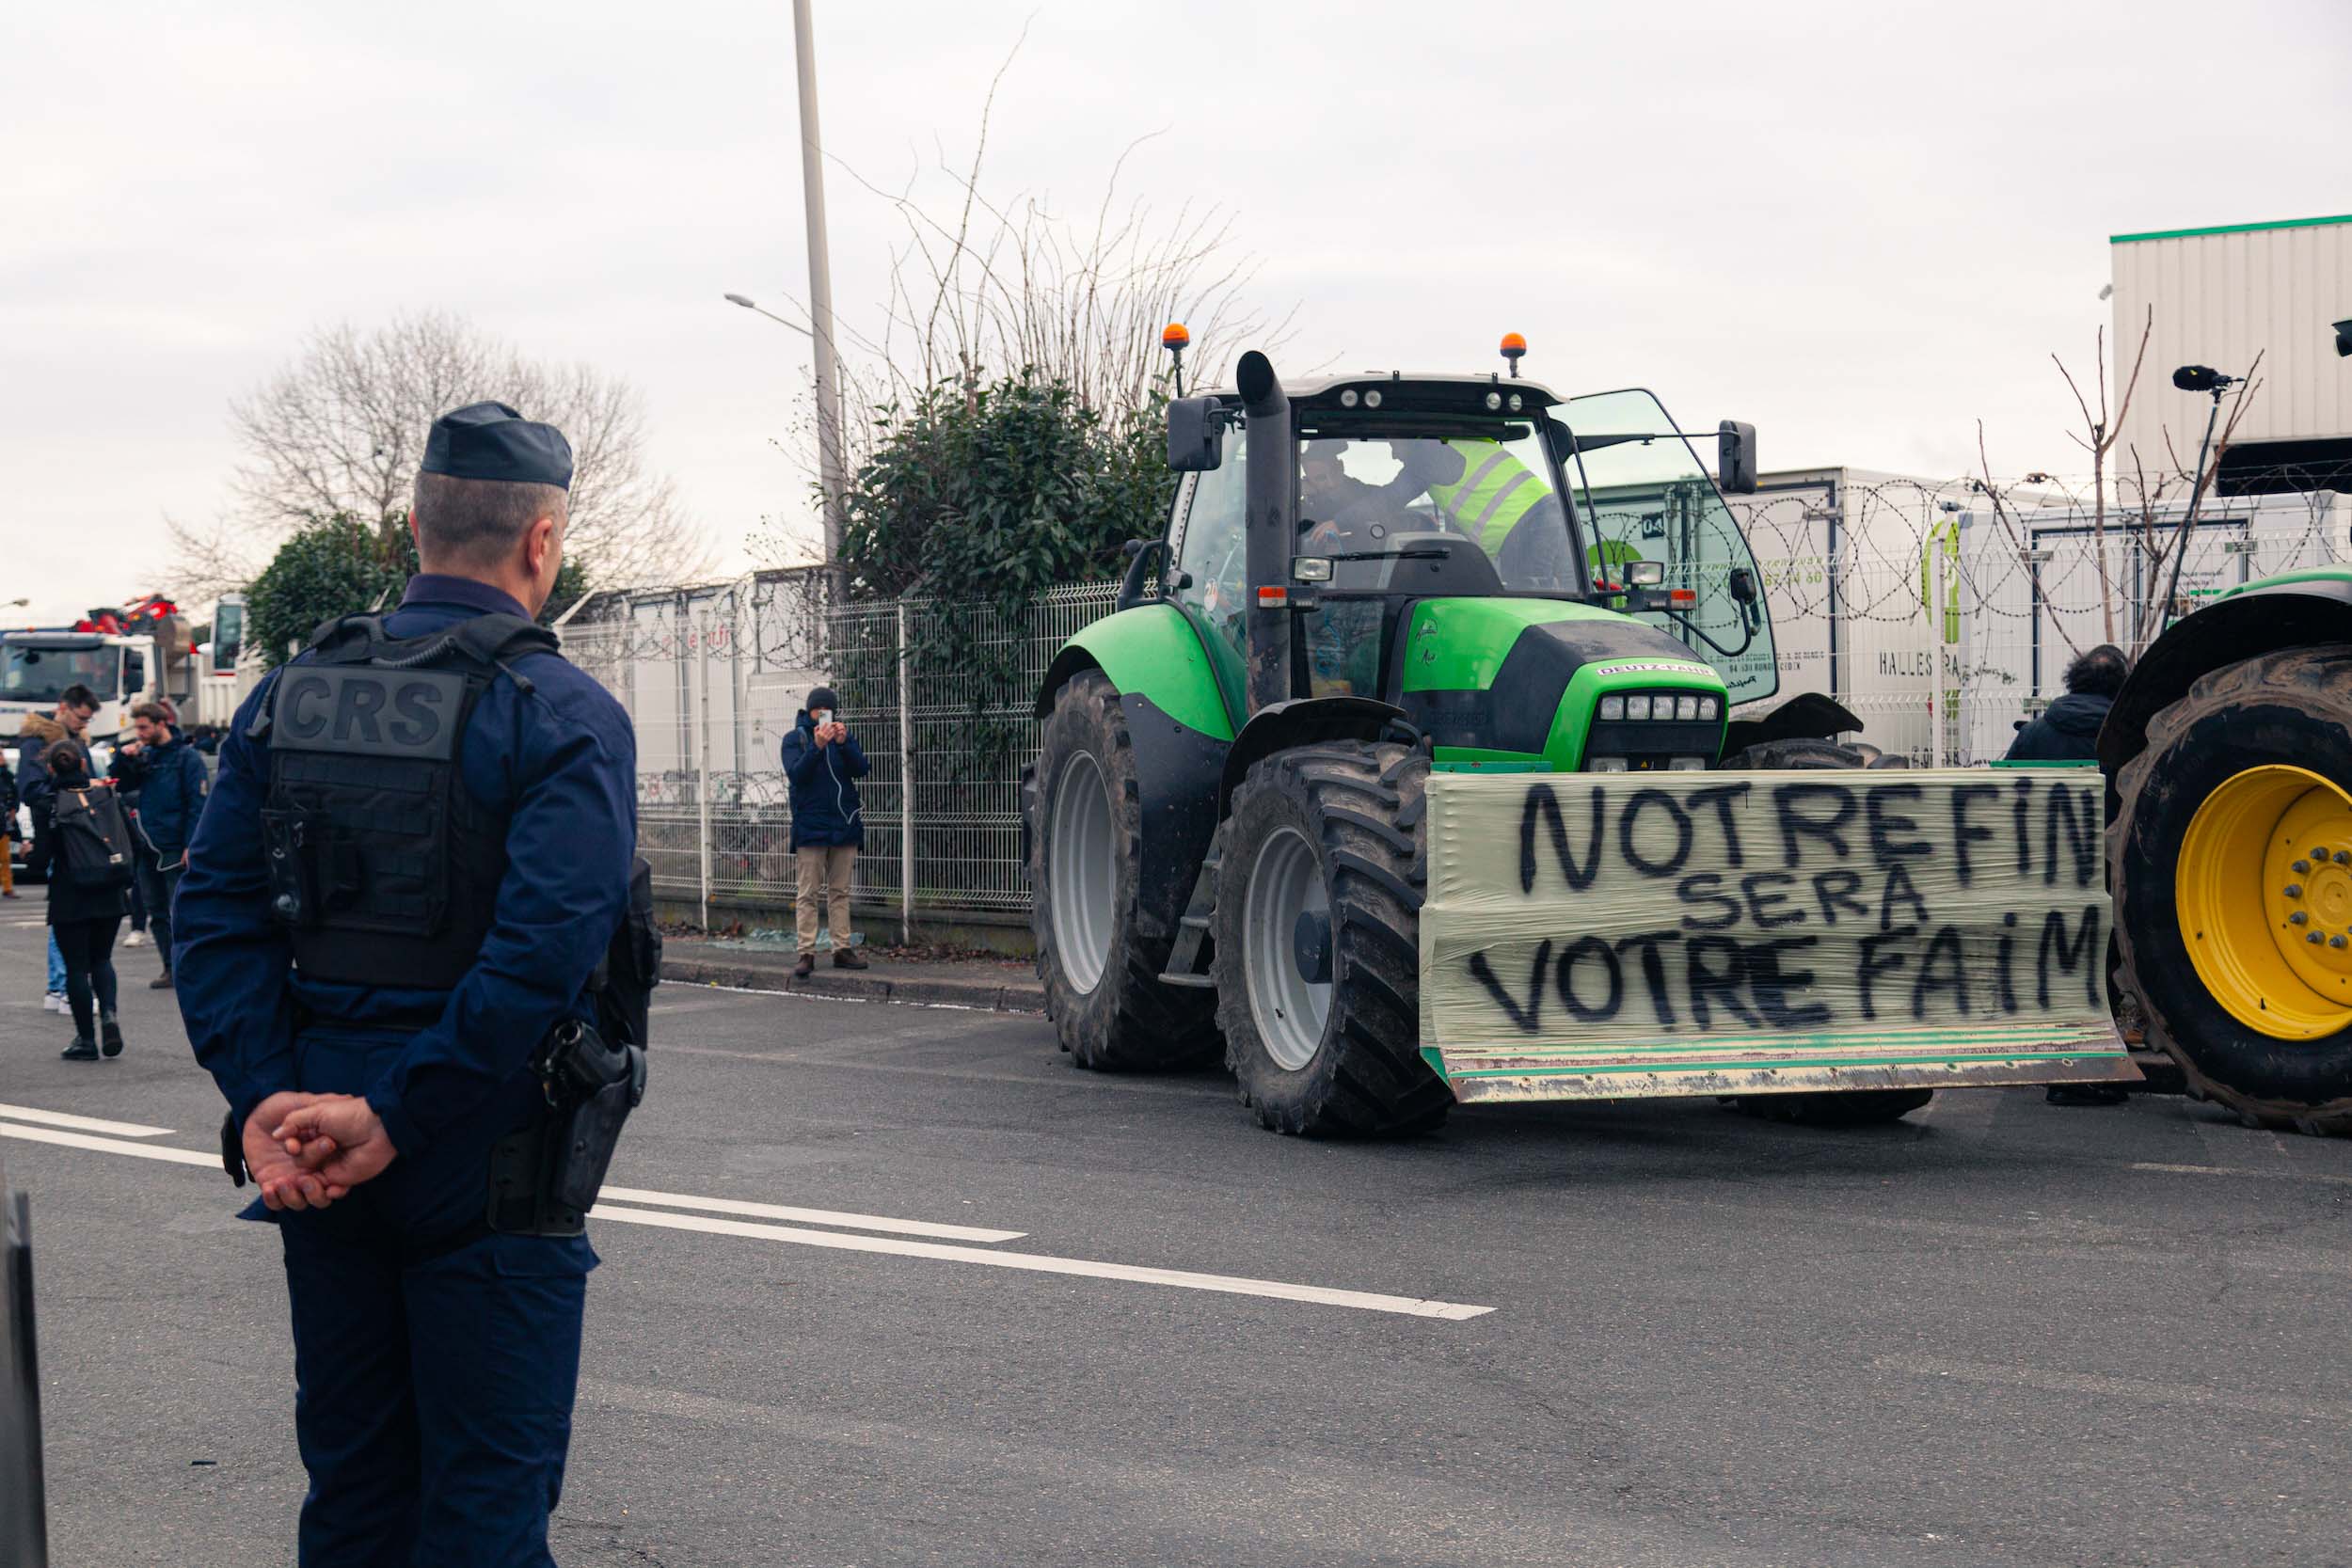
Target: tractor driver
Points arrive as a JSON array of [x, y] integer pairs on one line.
[[1482, 490]]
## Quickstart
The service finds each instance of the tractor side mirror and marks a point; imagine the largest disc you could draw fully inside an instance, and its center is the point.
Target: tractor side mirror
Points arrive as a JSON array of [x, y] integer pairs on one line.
[[1735, 457], [1196, 434], [1743, 585]]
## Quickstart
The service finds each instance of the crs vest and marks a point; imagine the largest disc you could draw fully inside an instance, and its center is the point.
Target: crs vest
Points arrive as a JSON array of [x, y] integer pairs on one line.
[[1495, 491], [381, 864]]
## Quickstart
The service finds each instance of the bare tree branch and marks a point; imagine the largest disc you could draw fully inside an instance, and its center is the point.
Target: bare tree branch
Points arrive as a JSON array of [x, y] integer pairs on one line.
[[341, 430]]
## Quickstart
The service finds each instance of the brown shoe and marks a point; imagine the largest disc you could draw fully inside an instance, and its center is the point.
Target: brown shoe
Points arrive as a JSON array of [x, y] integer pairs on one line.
[[849, 958], [806, 967]]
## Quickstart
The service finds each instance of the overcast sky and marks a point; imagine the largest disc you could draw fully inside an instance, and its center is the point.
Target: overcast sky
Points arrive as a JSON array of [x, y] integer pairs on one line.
[[1861, 226]]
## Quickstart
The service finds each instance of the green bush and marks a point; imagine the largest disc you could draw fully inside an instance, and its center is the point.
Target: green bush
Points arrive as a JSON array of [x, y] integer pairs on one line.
[[340, 565], [990, 494], [1000, 491]]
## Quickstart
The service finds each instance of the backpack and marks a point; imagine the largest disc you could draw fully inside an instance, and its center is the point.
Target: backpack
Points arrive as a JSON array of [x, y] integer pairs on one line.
[[93, 839]]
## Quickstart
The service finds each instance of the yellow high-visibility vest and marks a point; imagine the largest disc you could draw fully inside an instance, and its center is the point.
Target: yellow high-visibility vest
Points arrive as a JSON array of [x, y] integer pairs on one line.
[[1495, 491]]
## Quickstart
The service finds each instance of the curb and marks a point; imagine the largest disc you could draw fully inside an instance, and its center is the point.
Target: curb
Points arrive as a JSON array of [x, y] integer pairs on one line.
[[854, 987]]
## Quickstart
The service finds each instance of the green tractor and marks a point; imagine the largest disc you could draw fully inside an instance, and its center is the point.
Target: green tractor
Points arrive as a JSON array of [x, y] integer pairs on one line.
[[2229, 761], [1367, 580]]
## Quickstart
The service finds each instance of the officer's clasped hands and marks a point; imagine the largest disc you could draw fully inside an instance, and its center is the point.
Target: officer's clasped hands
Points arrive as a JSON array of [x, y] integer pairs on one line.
[[285, 1181], [306, 1151]]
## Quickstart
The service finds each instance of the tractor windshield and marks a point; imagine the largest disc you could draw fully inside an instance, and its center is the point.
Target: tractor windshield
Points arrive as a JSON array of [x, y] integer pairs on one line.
[[1643, 496], [1472, 503]]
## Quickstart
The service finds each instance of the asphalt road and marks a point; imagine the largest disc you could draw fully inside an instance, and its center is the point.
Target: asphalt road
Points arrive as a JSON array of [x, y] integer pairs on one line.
[[2001, 1334]]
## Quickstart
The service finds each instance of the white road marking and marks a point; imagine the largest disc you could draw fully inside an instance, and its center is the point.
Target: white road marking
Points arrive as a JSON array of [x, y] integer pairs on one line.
[[2238, 1170], [812, 1216], [2337, 1410], [1183, 1279], [88, 1124], [108, 1146]]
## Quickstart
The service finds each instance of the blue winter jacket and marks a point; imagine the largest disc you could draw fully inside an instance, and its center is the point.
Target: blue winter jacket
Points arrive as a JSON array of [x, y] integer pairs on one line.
[[171, 781], [825, 807]]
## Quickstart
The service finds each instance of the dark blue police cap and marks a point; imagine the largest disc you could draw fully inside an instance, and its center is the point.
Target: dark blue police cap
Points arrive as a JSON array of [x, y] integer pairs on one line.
[[490, 440]]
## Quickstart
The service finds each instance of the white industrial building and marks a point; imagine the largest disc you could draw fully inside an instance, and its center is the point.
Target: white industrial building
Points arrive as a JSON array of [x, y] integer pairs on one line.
[[2219, 297], [1879, 582]]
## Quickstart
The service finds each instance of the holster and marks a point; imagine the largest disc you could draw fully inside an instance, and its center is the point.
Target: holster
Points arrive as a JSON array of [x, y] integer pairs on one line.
[[545, 1178]]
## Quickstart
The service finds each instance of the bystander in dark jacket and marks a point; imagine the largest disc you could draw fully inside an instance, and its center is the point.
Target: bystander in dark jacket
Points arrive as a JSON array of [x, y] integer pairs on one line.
[[170, 782], [2068, 729], [8, 804], [823, 762], [83, 918]]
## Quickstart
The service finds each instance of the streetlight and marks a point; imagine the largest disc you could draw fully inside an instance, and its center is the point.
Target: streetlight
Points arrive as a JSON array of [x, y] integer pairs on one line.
[[829, 463], [780, 320], [2195, 378]]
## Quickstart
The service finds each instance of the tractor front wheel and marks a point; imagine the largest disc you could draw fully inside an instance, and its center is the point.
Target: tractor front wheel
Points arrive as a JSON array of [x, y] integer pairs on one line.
[[1317, 961], [2231, 852], [1101, 969]]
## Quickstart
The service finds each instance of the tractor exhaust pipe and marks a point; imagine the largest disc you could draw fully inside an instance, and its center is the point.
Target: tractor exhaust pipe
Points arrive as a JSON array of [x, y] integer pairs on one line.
[[1273, 527]]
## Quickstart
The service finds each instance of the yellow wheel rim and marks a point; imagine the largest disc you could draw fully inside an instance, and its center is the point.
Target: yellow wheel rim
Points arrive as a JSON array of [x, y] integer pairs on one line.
[[2264, 896]]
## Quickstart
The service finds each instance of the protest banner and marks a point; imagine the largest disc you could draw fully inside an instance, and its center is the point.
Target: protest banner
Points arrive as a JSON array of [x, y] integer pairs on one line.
[[1610, 936]]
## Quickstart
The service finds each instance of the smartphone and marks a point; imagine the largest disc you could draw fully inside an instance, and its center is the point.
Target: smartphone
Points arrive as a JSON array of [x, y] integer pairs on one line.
[[822, 716]]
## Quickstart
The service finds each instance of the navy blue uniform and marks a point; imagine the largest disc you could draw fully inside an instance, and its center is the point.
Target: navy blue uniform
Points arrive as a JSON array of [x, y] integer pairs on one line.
[[434, 1382]]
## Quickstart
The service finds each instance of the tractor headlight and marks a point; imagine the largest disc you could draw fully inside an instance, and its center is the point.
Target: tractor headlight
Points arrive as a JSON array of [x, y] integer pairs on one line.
[[1612, 709], [1707, 709], [1637, 707], [1494, 400], [1686, 709], [1347, 399], [1607, 764], [1687, 765]]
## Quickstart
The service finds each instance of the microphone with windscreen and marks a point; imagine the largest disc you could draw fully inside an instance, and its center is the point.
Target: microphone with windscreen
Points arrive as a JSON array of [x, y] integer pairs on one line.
[[2202, 378]]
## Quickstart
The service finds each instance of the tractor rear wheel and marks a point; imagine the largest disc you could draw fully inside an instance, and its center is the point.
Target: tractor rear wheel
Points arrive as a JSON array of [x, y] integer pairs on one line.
[[2231, 852], [1100, 969], [1318, 960]]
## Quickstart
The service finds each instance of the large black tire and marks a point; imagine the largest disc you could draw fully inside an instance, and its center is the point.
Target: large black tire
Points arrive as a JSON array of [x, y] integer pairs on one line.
[[1109, 1007], [1358, 806], [2292, 709]]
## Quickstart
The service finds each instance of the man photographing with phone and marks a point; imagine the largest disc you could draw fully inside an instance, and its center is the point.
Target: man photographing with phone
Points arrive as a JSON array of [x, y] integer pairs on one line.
[[823, 762], [168, 782]]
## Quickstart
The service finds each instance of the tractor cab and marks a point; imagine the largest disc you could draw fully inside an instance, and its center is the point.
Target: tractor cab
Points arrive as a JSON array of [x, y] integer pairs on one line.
[[1412, 533]]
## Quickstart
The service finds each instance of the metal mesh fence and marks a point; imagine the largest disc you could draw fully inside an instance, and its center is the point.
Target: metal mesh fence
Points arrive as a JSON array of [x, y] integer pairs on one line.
[[1939, 621], [713, 677]]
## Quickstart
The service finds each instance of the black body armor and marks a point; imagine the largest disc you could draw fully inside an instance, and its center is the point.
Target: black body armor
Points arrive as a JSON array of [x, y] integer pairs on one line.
[[382, 866]]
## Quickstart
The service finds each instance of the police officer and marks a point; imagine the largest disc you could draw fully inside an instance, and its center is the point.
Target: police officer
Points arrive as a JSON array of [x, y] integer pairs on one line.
[[417, 849]]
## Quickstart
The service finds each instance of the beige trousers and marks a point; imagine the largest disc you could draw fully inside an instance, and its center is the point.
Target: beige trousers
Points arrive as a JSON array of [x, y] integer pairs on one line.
[[824, 873]]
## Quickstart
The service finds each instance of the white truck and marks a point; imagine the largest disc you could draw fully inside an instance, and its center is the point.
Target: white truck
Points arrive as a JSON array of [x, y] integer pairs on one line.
[[137, 654], [222, 675]]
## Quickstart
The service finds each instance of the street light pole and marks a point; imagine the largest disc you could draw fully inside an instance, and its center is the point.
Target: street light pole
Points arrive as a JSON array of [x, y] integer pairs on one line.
[[829, 455]]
